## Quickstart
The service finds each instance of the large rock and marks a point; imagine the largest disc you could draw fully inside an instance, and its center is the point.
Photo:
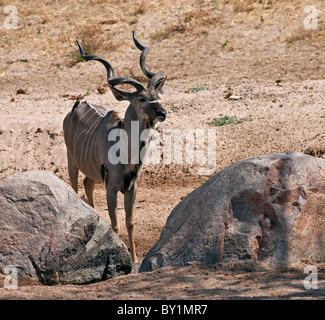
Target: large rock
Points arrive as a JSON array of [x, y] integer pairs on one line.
[[269, 209], [48, 233]]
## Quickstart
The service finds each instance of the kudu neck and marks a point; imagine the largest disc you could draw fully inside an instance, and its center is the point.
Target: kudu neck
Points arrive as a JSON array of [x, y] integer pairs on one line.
[[134, 126], [132, 115]]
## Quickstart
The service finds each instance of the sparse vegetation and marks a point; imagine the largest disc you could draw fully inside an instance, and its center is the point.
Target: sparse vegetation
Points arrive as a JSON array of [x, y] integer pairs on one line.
[[218, 122], [257, 63], [196, 89], [224, 44]]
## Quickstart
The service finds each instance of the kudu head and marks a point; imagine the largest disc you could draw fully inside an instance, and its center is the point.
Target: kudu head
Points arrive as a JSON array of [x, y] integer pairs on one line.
[[144, 100]]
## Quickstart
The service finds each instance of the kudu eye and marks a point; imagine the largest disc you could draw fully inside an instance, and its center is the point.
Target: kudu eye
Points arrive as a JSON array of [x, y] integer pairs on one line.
[[141, 99]]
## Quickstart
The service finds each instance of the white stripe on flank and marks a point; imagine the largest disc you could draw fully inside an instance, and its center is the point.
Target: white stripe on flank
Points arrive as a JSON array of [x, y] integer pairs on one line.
[[91, 106], [83, 131], [87, 135], [91, 151], [91, 135], [75, 139], [84, 115]]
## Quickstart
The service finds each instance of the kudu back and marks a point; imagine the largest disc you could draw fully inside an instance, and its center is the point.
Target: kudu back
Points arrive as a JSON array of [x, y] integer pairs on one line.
[[86, 130]]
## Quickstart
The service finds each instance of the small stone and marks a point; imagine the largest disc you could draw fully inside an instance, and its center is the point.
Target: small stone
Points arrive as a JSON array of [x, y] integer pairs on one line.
[[228, 94], [101, 90], [234, 97], [21, 91]]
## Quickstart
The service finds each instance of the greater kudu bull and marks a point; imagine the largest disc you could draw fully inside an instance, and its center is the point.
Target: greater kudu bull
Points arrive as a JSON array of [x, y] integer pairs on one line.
[[86, 129]]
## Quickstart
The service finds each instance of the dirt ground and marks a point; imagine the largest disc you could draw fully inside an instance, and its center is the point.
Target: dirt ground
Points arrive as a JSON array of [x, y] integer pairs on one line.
[[259, 51]]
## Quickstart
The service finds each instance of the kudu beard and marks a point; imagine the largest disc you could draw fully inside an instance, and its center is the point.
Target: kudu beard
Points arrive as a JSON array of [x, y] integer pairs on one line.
[[192, 147]]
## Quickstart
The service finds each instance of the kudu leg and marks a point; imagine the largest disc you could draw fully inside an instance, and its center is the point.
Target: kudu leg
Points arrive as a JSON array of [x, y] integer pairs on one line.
[[129, 199], [89, 185], [111, 196], [73, 173]]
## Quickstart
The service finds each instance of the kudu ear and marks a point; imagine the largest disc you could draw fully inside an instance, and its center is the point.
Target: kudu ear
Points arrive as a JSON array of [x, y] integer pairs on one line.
[[160, 85], [118, 94]]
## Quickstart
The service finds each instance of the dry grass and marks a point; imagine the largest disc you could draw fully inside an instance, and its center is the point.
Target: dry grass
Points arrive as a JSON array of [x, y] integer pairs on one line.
[[55, 26], [91, 37], [133, 72], [142, 8], [259, 6], [197, 18], [195, 21], [48, 29], [300, 34], [244, 5], [169, 31], [312, 37]]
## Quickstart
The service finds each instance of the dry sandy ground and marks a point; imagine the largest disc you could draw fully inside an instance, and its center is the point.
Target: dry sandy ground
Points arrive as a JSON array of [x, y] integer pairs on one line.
[[258, 50], [222, 281]]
